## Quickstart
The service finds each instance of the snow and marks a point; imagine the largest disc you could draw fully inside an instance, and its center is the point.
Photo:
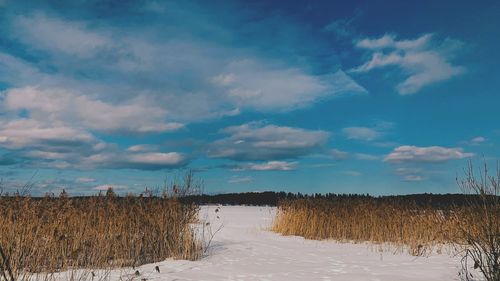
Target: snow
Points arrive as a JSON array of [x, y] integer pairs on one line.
[[245, 250]]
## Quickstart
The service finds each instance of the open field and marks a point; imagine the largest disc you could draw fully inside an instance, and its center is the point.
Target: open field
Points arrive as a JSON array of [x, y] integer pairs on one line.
[[245, 249]]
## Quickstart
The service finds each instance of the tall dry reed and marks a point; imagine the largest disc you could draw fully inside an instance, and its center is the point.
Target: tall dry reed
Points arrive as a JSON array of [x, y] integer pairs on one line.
[[399, 223], [52, 234]]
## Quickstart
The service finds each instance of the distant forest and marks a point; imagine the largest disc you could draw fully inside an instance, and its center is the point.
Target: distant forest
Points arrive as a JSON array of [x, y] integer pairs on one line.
[[273, 198]]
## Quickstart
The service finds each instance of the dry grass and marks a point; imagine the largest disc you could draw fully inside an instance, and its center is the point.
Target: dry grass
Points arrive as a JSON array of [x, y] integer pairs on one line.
[[53, 234], [403, 224]]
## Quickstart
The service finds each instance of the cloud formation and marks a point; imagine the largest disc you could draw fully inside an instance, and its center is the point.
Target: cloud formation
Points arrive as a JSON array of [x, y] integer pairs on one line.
[[430, 154], [80, 111], [424, 60], [114, 66], [257, 141]]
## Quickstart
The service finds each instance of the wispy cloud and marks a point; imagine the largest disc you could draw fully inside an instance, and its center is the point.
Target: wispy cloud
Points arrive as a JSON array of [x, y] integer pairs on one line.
[[368, 133], [114, 64], [410, 174], [424, 60], [53, 34], [338, 154], [236, 179], [361, 133], [477, 140], [267, 166]]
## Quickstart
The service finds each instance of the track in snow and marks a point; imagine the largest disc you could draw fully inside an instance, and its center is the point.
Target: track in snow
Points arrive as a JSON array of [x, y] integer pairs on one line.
[[244, 250]]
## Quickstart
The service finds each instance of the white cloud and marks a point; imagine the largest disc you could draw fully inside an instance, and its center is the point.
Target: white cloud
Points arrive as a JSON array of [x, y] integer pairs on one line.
[[59, 146], [413, 178], [142, 148], [410, 174], [338, 154], [268, 166], [423, 60], [477, 140], [176, 73], [409, 153], [62, 106], [361, 133], [256, 141], [21, 133], [236, 179], [253, 84], [87, 78], [72, 38], [141, 161]]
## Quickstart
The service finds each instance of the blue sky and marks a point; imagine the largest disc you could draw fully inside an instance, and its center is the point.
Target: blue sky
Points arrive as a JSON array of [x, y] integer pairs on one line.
[[385, 97]]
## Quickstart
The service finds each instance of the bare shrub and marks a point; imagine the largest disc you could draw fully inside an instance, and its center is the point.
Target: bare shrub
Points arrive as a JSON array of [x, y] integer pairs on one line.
[[480, 226]]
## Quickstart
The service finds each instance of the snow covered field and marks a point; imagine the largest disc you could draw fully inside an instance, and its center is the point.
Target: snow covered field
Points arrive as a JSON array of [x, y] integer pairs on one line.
[[244, 250]]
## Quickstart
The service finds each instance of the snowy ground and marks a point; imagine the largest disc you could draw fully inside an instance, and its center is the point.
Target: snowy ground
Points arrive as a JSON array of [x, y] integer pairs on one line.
[[244, 250]]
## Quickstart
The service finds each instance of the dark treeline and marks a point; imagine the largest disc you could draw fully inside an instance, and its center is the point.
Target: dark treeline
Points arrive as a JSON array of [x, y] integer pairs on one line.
[[273, 198]]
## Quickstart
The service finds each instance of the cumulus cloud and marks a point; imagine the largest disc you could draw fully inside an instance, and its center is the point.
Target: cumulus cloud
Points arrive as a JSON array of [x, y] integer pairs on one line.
[[256, 141], [408, 154], [41, 144], [19, 133], [424, 60]]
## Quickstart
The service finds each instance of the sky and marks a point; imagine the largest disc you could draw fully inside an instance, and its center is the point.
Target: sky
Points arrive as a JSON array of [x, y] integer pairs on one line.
[[379, 97]]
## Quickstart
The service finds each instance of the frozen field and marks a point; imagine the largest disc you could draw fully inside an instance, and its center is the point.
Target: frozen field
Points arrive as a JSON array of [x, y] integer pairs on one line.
[[244, 250]]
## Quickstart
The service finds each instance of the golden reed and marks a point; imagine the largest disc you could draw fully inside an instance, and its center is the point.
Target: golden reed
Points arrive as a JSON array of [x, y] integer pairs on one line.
[[52, 234]]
